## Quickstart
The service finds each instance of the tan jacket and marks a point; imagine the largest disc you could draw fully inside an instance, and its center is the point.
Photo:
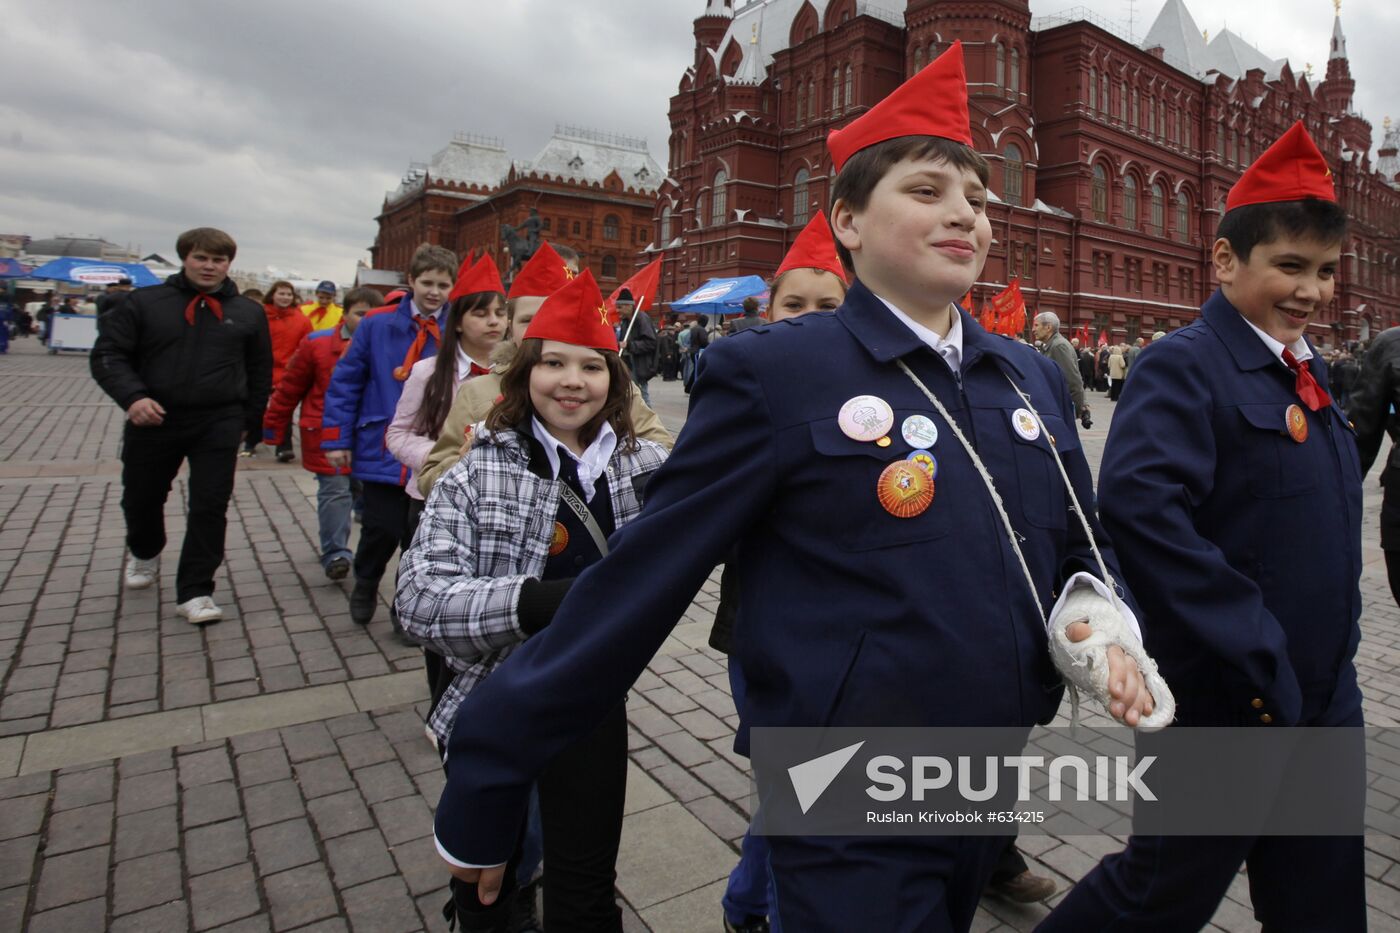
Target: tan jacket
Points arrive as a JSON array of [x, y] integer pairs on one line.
[[1117, 367], [473, 403]]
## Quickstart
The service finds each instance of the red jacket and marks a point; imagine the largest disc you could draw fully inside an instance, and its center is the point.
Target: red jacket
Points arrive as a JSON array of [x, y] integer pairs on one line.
[[288, 327], [304, 383]]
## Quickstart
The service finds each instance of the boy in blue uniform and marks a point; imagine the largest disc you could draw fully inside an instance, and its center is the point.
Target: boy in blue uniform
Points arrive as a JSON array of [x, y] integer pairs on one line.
[[1232, 489], [866, 597]]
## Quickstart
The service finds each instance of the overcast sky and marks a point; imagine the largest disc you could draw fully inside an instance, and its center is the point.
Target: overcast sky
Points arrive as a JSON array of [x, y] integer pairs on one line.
[[285, 122]]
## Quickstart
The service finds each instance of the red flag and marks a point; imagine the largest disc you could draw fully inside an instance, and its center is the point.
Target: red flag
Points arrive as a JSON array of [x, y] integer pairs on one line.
[[966, 302], [1103, 338], [988, 318], [1010, 309], [642, 286]]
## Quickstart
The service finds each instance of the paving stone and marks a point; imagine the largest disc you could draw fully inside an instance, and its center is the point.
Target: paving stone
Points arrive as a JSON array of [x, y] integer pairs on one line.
[[383, 906], [404, 819], [260, 767], [77, 710], [147, 831], [322, 776], [365, 749], [210, 803], [167, 918], [719, 817], [685, 748], [420, 866], [146, 882], [300, 896], [87, 915], [308, 741], [219, 845], [223, 896], [146, 791], [383, 781], [273, 803], [79, 828], [358, 857], [69, 879], [17, 859], [78, 789], [23, 816], [353, 724]]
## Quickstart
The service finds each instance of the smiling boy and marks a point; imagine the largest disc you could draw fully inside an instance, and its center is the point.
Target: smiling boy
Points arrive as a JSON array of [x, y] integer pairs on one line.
[[867, 598], [1232, 488]]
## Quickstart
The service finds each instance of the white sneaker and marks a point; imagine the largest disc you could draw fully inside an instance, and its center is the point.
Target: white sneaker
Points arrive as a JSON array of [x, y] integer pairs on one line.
[[140, 573], [200, 610]]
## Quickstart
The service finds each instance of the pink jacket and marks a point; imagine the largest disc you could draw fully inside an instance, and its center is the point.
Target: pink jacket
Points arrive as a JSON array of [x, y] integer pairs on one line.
[[410, 448]]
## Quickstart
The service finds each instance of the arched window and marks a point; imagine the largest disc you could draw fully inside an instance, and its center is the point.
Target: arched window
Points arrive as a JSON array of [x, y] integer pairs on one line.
[[1098, 194], [1093, 89], [813, 102], [1161, 118], [1135, 113], [1103, 96], [918, 58], [609, 267], [801, 102], [1159, 207], [1001, 65], [699, 210], [1151, 117], [665, 226], [719, 198], [1183, 217], [610, 227], [1130, 198], [578, 230], [801, 204], [836, 90], [1015, 72], [1015, 175], [850, 86], [1123, 101]]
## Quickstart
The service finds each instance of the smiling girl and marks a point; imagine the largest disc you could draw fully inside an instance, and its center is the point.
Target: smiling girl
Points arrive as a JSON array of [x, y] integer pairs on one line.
[[554, 470]]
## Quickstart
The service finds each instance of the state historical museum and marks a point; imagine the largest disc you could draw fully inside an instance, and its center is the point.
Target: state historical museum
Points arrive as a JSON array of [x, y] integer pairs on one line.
[[1110, 160]]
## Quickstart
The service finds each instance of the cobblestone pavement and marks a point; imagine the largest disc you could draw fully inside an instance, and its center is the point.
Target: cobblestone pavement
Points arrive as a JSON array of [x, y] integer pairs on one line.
[[270, 772]]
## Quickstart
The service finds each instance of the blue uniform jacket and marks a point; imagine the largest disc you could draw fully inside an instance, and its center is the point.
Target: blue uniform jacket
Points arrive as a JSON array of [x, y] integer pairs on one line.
[[849, 616], [1242, 545], [363, 393]]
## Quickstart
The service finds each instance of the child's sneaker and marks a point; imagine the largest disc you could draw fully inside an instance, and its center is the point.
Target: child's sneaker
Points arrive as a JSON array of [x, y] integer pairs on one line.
[[200, 610], [140, 573]]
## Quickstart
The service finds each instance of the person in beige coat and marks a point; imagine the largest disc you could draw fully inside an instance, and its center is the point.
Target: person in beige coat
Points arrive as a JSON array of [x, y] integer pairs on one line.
[[1117, 371]]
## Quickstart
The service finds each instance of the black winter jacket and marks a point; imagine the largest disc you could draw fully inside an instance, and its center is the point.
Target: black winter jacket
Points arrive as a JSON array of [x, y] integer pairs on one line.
[[146, 349], [1377, 388]]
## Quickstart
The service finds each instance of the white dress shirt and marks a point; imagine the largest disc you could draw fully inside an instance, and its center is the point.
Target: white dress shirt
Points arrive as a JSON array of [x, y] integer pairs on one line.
[[593, 463], [949, 347]]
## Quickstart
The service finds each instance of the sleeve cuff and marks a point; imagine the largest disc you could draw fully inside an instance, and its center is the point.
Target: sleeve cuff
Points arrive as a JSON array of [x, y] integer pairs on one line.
[[449, 859], [1087, 579]]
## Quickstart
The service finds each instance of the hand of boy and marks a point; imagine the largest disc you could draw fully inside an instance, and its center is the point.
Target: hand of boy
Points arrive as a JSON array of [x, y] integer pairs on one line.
[[1131, 700], [340, 459], [487, 880]]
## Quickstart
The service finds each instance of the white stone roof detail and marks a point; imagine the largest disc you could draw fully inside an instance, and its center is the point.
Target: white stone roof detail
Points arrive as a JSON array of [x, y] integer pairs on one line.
[[1339, 41], [585, 155], [1232, 56], [1182, 43], [776, 17], [752, 69], [719, 8], [1388, 165]]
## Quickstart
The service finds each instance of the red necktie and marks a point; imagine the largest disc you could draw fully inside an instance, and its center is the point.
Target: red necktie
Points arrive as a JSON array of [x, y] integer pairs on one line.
[[426, 326], [477, 371], [1308, 390], [209, 301]]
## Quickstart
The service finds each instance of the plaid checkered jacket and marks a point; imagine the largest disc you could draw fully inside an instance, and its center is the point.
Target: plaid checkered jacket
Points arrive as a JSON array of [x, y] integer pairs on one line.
[[485, 530]]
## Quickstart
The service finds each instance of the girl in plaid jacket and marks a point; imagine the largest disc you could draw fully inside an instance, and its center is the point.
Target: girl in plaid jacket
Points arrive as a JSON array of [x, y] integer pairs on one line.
[[555, 468]]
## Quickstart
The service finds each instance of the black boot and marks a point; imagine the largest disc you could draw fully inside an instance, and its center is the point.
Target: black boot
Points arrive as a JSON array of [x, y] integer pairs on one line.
[[403, 636], [364, 598], [525, 909]]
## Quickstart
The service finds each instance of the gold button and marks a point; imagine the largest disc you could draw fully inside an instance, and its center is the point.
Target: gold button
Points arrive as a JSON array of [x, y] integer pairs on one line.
[[1257, 703], [1052, 440], [884, 442], [1266, 719]]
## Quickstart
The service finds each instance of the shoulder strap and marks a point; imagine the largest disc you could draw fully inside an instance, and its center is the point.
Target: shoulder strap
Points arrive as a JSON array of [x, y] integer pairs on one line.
[[585, 515]]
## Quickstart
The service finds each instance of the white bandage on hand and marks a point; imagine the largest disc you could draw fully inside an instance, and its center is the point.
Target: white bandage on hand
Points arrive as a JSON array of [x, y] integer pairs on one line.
[[1084, 664]]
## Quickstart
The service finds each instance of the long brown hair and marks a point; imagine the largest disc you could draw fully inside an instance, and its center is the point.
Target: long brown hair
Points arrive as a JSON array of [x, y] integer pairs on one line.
[[272, 292], [514, 407], [437, 394]]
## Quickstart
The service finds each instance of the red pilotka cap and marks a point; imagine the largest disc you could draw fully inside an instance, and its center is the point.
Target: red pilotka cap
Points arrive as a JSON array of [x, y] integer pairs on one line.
[[575, 315], [481, 277], [542, 276], [814, 248], [1290, 170], [931, 103]]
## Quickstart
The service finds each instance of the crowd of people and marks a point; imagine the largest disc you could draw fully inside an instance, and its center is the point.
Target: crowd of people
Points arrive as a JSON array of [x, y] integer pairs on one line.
[[877, 483]]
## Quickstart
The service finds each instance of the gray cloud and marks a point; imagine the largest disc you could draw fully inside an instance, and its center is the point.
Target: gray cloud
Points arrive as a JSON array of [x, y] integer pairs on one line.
[[285, 122]]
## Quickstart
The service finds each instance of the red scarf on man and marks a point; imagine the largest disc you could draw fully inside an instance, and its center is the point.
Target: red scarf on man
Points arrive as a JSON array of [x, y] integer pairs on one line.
[[209, 301]]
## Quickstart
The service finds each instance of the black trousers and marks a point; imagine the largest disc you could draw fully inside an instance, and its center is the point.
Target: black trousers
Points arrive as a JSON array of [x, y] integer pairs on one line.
[[151, 456], [383, 529]]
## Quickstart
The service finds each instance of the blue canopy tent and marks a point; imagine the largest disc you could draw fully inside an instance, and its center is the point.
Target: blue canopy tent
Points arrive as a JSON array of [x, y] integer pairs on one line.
[[721, 296], [13, 269], [94, 272]]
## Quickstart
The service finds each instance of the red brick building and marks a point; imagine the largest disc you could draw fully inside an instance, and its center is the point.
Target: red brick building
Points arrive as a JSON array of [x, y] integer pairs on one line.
[[594, 192], [1110, 159]]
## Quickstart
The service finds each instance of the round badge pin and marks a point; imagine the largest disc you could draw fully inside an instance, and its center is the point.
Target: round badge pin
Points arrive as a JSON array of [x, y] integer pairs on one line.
[[919, 432], [1024, 424], [866, 418], [925, 461], [1297, 423], [904, 489], [559, 540]]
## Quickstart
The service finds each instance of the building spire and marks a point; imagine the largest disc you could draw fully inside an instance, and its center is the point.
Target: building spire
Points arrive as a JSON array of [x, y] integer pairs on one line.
[[726, 8], [1339, 41]]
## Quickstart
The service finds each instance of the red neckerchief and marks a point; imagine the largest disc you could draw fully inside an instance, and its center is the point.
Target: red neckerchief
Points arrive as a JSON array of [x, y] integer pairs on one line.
[[426, 326], [209, 301], [1309, 391]]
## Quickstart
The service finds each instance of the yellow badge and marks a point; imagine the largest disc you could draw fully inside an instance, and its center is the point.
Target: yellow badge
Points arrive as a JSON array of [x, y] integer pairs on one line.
[[924, 461], [559, 540], [884, 441], [904, 489], [1297, 423]]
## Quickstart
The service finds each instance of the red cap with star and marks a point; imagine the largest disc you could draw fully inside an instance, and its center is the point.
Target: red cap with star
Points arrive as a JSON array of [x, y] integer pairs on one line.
[[932, 103], [1290, 170], [814, 248], [542, 276], [575, 315], [481, 277]]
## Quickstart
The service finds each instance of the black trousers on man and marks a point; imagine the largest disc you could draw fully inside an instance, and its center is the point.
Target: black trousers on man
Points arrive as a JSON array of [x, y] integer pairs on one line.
[[151, 456]]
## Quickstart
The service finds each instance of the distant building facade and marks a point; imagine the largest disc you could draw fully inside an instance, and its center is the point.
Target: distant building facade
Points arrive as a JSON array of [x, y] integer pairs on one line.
[[594, 192], [1110, 160]]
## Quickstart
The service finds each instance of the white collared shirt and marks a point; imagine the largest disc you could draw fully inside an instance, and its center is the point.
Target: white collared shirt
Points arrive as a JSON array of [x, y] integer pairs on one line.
[[464, 364], [1299, 349], [593, 463], [949, 347]]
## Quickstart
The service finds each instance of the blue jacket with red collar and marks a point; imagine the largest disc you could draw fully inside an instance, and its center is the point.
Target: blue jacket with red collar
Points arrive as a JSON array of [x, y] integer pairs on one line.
[[1241, 539], [363, 393]]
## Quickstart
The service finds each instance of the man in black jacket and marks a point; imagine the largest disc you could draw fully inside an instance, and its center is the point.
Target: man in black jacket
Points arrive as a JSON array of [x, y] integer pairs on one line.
[[1376, 389], [639, 349], [189, 362]]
